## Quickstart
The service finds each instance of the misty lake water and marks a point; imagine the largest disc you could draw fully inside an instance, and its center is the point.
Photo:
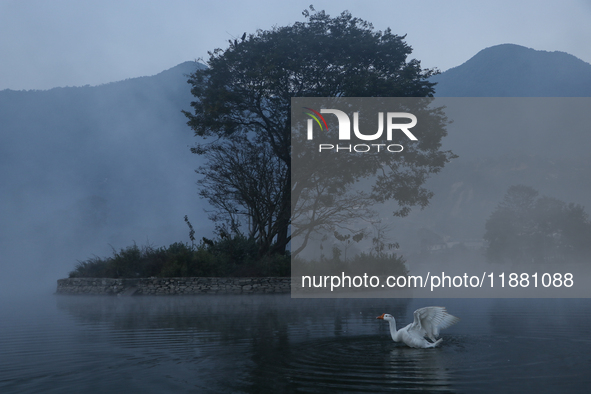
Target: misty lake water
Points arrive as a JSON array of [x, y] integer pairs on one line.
[[275, 344]]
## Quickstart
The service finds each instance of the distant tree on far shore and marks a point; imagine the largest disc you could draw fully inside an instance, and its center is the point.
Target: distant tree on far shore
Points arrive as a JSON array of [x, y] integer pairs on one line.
[[528, 227]]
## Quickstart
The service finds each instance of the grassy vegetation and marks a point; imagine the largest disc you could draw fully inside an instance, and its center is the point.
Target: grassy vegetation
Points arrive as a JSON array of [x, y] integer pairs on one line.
[[230, 256]]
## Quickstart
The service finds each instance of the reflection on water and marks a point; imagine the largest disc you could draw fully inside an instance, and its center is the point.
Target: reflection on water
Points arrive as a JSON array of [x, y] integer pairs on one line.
[[272, 343]]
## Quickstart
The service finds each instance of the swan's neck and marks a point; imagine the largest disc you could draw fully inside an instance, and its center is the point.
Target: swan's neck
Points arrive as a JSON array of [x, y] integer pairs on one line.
[[393, 330]]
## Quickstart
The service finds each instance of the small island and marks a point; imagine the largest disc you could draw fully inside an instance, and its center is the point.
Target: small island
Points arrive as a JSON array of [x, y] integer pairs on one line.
[[227, 265]]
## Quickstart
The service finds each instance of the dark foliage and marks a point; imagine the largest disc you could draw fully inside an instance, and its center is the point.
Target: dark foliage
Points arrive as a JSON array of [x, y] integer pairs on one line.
[[225, 257], [245, 94]]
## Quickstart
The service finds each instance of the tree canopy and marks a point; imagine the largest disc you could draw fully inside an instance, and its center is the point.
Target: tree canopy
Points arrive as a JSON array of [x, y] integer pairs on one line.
[[243, 100]]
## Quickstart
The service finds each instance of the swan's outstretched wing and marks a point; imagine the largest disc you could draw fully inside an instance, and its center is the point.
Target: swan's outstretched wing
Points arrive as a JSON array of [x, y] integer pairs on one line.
[[429, 320]]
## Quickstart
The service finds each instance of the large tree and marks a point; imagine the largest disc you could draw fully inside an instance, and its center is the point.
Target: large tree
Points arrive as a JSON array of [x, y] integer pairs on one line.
[[245, 93]]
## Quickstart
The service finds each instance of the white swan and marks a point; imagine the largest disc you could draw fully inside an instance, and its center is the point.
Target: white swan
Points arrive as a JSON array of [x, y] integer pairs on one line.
[[428, 321]]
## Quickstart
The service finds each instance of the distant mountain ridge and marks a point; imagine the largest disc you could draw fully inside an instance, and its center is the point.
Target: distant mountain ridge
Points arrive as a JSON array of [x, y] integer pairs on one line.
[[510, 70], [167, 77]]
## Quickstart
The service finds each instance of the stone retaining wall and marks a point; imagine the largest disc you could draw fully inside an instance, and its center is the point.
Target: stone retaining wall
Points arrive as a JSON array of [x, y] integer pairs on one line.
[[172, 286]]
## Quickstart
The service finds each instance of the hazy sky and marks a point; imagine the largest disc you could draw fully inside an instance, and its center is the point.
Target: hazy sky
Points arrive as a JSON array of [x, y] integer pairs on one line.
[[49, 43]]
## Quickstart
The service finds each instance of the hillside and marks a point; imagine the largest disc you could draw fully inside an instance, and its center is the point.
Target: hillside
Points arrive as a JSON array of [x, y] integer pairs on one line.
[[510, 70]]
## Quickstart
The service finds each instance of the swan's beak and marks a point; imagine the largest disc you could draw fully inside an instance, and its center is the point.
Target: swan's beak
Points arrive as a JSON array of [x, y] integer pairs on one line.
[[381, 317]]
